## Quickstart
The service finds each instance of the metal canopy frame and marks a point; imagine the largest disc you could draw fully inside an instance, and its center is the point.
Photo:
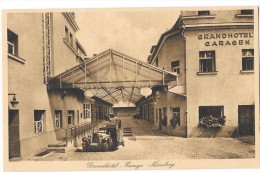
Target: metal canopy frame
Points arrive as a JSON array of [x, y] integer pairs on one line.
[[114, 77]]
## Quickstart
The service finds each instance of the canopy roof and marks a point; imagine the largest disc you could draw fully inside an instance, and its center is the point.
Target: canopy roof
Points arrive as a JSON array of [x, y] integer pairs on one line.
[[115, 77]]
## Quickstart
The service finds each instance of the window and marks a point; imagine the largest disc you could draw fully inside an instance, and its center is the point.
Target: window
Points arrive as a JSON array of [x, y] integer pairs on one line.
[[86, 110], [215, 111], [247, 12], [12, 41], [207, 61], [247, 59], [70, 117], [66, 33], [58, 117], [78, 50], [176, 66], [71, 39], [38, 121], [157, 62], [203, 13], [176, 116]]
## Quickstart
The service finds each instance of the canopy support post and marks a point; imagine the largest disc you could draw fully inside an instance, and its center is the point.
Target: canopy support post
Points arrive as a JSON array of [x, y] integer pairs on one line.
[[97, 73], [163, 77], [123, 71], [149, 76], [110, 66], [60, 82], [85, 74]]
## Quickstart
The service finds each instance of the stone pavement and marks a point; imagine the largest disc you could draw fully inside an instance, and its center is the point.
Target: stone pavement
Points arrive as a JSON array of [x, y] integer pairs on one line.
[[147, 142]]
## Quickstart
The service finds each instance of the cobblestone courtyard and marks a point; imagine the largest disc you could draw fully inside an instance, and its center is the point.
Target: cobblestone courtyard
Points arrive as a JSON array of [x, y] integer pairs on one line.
[[149, 143]]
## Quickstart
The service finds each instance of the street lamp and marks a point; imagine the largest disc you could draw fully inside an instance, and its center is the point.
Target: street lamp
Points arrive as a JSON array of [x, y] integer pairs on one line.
[[146, 91], [89, 93], [14, 102]]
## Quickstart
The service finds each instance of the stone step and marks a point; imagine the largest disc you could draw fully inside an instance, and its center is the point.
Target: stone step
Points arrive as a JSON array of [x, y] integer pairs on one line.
[[127, 131], [56, 149], [127, 134], [57, 145], [127, 128]]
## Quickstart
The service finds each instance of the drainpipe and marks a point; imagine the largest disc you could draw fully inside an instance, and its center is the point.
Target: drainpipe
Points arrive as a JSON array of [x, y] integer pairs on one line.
[[182, 29]]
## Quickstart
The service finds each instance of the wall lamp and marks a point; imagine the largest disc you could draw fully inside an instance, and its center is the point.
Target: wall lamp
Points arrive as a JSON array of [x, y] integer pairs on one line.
[[13, 102]]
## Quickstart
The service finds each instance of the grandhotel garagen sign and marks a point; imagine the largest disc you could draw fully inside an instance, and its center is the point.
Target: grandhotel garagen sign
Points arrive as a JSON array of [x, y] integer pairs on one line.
[[226, 39]]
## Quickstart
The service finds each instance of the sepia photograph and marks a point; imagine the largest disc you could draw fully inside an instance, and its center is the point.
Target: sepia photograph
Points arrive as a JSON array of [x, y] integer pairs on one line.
[[131, 88]]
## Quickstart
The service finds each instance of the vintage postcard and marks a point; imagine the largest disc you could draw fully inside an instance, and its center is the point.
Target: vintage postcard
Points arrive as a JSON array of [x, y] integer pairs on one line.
[[131, 88]]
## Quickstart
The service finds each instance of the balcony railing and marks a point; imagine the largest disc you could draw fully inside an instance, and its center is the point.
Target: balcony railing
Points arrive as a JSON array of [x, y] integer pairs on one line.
[[38, 126]]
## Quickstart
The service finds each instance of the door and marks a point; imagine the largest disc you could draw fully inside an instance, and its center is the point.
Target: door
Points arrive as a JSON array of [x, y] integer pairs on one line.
[[71, 117], [13, 133], [160, 118], [246, 120]]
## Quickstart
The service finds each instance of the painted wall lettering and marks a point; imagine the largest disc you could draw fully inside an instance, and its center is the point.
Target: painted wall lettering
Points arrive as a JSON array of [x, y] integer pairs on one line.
[[223, 39]]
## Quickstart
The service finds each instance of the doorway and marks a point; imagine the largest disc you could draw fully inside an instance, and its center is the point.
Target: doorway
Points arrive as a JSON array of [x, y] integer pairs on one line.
[[246, 120], [160, 118], [13, 133]]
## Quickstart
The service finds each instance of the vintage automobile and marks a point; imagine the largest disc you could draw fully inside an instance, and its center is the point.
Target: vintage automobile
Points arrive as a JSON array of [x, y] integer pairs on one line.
[[104, 139], [98, 141]]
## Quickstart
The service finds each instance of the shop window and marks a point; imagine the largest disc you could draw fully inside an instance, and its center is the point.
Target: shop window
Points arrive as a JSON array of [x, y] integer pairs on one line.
[[214, 111], [12, 41], [176, 66], [39, 121], [203, 13], [58, 118], [207, 61], [247, 12], [70, 117], [86, 110], [175, 121], [247, 59]]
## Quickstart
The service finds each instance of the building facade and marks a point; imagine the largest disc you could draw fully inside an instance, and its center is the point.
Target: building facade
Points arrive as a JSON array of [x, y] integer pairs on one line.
[[41, 46], [213, 54]]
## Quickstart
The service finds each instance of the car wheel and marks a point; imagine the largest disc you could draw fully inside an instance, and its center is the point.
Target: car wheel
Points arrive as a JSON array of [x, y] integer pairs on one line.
[[105, 147]]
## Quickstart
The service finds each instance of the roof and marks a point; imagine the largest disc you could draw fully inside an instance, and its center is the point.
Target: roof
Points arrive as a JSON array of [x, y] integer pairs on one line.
[[114, 76], [189, 20]]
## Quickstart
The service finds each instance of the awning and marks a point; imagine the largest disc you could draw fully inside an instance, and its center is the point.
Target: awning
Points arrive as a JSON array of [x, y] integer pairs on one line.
[[115, 77], [178, 89]]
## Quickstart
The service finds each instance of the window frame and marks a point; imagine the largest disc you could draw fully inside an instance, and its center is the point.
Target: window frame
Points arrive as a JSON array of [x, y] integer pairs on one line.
[[71, 39], [70, 115], [204, 13], [12, 39], [58, 119], [66, 33], [222, 110], [177, 112], [207, 58], [39, 124], [86, 110], [247, 12], [177, 68], [246, 56]]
